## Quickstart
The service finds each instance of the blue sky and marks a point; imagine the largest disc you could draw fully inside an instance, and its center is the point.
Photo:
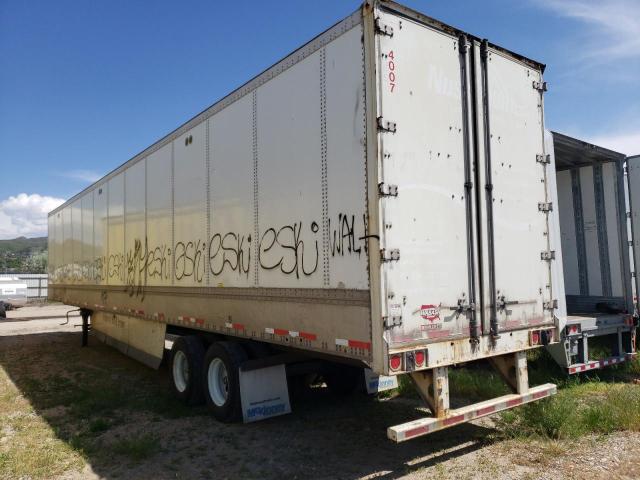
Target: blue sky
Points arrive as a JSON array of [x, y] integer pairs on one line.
[[84, 86]]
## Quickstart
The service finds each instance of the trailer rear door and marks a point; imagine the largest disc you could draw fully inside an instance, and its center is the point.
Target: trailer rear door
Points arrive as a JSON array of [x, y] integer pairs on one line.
[[514, 207], [426, 267], [438, 100]]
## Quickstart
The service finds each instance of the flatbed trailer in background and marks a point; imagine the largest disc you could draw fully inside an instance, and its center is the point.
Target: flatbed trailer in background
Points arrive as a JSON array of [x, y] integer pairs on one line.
[[596, 258], [377, 199]]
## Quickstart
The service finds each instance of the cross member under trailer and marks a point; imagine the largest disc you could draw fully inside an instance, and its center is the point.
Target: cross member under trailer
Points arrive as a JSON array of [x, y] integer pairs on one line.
[[433, 387]]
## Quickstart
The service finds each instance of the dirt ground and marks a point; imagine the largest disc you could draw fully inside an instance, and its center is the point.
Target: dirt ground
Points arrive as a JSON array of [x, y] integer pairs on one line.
[[86, 413]]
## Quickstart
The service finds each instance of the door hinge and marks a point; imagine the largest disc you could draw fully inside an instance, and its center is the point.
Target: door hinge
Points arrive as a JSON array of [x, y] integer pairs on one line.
[[550, 255], [387, 190], [392, 321], [628, 214], [550, 305], [544, 159], [386, 126], [540, 86], [383, 29], [545, 207], [392, 255]]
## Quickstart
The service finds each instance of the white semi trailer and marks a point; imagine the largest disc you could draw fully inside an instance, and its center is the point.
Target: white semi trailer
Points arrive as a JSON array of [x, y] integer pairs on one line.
[[632, 174], [596, 255], [379, 198]]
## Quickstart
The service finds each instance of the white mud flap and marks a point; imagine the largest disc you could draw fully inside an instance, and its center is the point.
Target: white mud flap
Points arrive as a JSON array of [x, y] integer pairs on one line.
[[379, 383], [264, 393]]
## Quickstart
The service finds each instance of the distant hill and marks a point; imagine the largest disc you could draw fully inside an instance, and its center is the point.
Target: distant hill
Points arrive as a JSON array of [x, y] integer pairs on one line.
[[23, 255]]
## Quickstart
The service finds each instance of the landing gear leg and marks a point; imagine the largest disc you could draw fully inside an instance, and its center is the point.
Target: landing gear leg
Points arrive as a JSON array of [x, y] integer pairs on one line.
[[85, 314]]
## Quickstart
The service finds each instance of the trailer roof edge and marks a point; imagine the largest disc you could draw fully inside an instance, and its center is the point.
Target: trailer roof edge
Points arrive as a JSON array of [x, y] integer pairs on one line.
[[427, 20]]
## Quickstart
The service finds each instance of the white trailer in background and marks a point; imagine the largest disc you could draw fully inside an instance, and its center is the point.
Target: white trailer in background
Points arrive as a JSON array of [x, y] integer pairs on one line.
[[596, 260], [379, 198], [632, 184]]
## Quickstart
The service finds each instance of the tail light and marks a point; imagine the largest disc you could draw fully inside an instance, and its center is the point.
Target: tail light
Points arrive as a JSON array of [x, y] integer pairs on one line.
[[534, 338], [395, 362], [573, 329], [420, 358]]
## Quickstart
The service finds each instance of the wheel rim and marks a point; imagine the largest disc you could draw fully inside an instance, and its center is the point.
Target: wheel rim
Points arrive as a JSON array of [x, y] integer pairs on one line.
[[218, 382], [180, 371]]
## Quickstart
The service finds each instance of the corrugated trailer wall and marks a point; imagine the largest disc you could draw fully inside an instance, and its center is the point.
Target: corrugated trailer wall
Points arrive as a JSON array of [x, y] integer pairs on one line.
[[265, 193], [590, 219]]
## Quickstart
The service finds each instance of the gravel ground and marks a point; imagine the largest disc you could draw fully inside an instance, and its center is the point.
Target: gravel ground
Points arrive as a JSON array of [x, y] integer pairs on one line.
[[324, 437]]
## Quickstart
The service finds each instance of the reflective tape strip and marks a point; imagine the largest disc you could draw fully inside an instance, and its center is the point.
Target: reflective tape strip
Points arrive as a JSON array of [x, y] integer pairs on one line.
[[234, 326], [486, 411], [600, 363], [342, 342], [415, 432], [359, 344], [291, 333], [447, 422]]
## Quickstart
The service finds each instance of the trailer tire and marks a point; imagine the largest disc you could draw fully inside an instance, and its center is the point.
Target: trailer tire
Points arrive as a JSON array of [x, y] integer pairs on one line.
[[221, 380], [3, 310], [185, 367], [343, 380]]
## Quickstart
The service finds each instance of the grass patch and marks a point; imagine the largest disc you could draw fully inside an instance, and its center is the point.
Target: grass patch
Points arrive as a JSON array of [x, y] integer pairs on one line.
[[30, 447], [590, 408], [470, 384], [137, 448], [476, 384], [55, 408], [99, 425]]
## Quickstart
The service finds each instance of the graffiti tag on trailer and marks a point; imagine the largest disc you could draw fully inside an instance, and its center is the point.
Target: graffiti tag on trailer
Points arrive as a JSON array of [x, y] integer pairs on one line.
[[292, 249]]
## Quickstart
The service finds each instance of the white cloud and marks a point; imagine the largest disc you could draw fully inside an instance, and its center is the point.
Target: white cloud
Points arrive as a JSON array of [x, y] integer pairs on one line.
[[627, 142], [615, 27], [26, 215], [87, 176]]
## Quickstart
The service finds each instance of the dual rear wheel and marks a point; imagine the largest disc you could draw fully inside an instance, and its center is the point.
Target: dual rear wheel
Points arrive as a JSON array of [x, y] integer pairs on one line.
[[210, 377]]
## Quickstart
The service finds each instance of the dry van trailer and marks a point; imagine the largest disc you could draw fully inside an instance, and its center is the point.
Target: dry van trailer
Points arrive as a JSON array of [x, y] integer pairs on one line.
[[632, 184], [596, 258], [379, 198]]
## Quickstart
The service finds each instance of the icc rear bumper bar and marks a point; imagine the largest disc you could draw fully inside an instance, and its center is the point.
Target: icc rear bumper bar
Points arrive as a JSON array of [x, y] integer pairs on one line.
[[424, 426]]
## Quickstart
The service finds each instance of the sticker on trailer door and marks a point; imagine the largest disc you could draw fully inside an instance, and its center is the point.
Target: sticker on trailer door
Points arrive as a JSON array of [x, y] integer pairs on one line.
[[430, 312], [434, 322]]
